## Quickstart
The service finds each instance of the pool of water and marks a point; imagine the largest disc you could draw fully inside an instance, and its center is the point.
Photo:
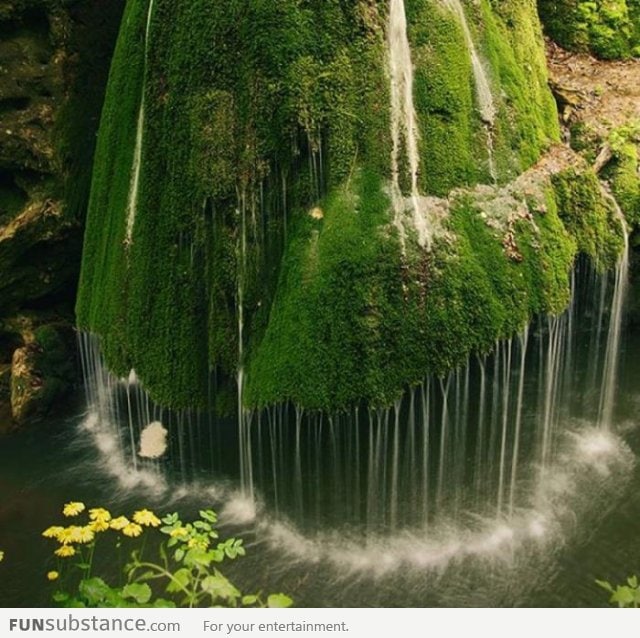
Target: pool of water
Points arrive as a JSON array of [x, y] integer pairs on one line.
[[586, 524]]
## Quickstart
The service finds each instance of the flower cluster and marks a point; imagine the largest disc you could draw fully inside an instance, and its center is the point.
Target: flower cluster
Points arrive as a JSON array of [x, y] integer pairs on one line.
[[72, 537]]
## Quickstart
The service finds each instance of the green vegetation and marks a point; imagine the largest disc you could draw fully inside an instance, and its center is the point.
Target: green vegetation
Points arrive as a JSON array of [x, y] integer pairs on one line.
[[589, 216], [265, 163], [353, 319], [609, 28], [444, 99], [624, 171], [184, 574], [528, 120], [627, 595]]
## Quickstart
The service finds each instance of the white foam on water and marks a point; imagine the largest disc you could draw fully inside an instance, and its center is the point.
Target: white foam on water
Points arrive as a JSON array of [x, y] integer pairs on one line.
[[239, 509], [587, 472]]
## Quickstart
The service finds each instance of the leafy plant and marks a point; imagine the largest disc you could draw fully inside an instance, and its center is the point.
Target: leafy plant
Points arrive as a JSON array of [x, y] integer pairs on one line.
[[183, 572], [623, 595]]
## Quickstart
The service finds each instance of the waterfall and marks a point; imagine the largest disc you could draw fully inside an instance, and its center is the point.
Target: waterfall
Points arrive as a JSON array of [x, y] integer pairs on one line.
[[404, 122], [484, 96], [608, 389], [134, 187], [482, 442]]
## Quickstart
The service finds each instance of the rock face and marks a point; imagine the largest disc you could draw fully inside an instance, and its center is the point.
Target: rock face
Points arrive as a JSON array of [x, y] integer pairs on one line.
[[42, 372], [54, 58]]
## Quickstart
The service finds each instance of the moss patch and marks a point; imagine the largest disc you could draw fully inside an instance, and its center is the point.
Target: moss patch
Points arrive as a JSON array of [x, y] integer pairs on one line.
[[610, 28]]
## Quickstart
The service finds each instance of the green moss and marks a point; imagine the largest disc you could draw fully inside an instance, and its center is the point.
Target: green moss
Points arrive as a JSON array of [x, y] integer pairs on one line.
[[528, 120], [589, 216], [353, 321], [624, 170], [444, 99], [610, 28], [249, 115], [257, 114]]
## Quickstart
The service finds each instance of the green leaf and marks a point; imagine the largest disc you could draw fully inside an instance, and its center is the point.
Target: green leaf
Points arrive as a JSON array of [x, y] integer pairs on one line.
[[179, 555], [623, 596], [247, 601], [140, 592], [218, 586], [279, 601], [163, 603], [198, 557], [209, 515], [183, 576], [60, 597], [633, 582], [605, 585], [94, 590]]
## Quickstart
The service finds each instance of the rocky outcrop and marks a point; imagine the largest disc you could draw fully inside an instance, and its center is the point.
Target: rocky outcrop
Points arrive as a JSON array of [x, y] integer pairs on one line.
[[54, 60], [42, 371]]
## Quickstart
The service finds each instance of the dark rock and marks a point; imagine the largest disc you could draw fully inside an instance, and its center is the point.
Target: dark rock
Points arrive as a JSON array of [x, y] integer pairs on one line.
[[54, 62], [42, 373]]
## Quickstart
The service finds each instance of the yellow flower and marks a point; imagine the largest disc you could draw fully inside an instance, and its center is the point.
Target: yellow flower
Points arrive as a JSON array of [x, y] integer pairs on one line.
[[132, 530], [98, 526], [1, 556], [145, 517], [73, 509], [100, 515], [84, 534], [68, 535], [178, 532], [53, 532], [53, 575], [65, 551], [119, 523], [198, 543]]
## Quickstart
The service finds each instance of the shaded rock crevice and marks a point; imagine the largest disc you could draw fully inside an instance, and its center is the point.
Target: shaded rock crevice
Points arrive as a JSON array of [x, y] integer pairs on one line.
[[54, 62]]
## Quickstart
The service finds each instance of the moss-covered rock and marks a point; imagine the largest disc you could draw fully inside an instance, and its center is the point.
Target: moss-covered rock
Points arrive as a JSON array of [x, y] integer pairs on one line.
[[354, 319], [240, 215], [589, 215], [624, 170], [609, 28]]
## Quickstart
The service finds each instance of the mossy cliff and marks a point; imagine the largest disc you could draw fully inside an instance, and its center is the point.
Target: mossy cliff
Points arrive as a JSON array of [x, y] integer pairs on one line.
[[240, 214], [609, 28]]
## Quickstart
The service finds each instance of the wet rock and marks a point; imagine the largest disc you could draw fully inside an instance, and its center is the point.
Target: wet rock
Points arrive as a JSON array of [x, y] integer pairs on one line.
[[42, 373], [5, 397]]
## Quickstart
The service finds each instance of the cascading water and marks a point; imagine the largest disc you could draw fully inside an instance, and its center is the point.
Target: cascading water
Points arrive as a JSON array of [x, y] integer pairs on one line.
[[607, 395], [134, 188], [404, 122], [484, 95], [481, 442]]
